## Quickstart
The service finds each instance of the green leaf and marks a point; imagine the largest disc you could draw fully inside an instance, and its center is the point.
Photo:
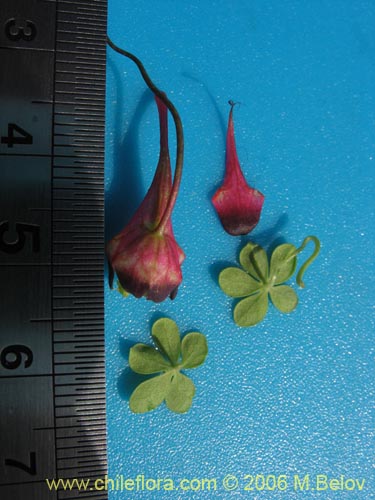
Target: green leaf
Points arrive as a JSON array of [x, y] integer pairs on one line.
[[180, 394], [194, 350], [250, 311], [284, 298], [236, 283], [282, 266], [150, 394], [146, 360], [254, 260], [174, 387], [167, 337]]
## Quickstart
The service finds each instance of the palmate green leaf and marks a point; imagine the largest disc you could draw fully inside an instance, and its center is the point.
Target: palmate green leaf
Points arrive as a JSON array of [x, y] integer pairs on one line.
[[175, 388], [236, 283], [172, 386], [194, 350], [254, 260], [150, 394], [261, 279], [282, 265], [167, 337], [284, 298], [250, 311], [146, 360], [180, 394]]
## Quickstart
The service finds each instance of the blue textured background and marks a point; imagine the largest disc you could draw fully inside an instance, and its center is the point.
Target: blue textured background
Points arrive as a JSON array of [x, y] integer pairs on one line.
[[295, 394]]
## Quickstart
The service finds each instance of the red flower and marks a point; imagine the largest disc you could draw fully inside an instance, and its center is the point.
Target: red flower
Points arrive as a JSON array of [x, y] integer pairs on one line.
[[238, 205], [145, 255]]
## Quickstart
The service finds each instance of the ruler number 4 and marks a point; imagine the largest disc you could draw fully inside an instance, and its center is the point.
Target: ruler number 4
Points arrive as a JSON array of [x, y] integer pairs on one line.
[[11, 139]]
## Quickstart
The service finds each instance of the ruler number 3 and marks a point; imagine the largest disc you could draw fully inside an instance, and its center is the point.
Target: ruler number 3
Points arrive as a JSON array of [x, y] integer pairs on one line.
[[15, 32]]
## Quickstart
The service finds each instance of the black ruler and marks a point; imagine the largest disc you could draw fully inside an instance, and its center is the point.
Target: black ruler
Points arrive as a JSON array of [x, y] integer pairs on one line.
[[52, 377]]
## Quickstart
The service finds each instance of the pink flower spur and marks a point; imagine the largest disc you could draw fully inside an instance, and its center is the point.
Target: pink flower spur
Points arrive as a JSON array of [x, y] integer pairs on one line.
[[238, 205]]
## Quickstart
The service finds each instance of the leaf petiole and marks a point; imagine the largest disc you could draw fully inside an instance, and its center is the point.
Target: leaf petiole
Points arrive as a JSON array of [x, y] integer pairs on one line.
[[309, 261]]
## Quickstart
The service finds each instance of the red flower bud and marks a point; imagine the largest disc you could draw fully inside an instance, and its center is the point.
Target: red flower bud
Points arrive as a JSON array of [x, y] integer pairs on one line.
[[238, 205], [145, 255]]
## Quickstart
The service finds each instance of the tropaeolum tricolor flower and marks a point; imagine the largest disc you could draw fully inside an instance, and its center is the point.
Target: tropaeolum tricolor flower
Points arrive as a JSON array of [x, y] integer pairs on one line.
[[237, 204], [145, 255]]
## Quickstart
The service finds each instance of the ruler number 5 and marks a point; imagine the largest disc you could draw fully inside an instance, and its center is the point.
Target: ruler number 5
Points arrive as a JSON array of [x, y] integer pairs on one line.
[[21, 229], [14, 32]]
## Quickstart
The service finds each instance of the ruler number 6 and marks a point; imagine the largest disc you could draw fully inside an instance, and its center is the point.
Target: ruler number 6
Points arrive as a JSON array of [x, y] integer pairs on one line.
[[15, 32], [21, 229], [16, 351]]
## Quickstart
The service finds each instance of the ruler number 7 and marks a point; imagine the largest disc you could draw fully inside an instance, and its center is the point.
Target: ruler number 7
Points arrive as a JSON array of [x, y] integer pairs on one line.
[[30, 469]]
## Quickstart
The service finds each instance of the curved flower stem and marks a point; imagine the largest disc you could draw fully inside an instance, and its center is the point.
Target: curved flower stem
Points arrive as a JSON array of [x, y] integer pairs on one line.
[[303, 268], [179, 133]]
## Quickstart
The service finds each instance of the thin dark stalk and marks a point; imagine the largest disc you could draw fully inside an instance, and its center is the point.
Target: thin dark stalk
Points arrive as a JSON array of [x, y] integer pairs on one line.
[[179, 133]]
